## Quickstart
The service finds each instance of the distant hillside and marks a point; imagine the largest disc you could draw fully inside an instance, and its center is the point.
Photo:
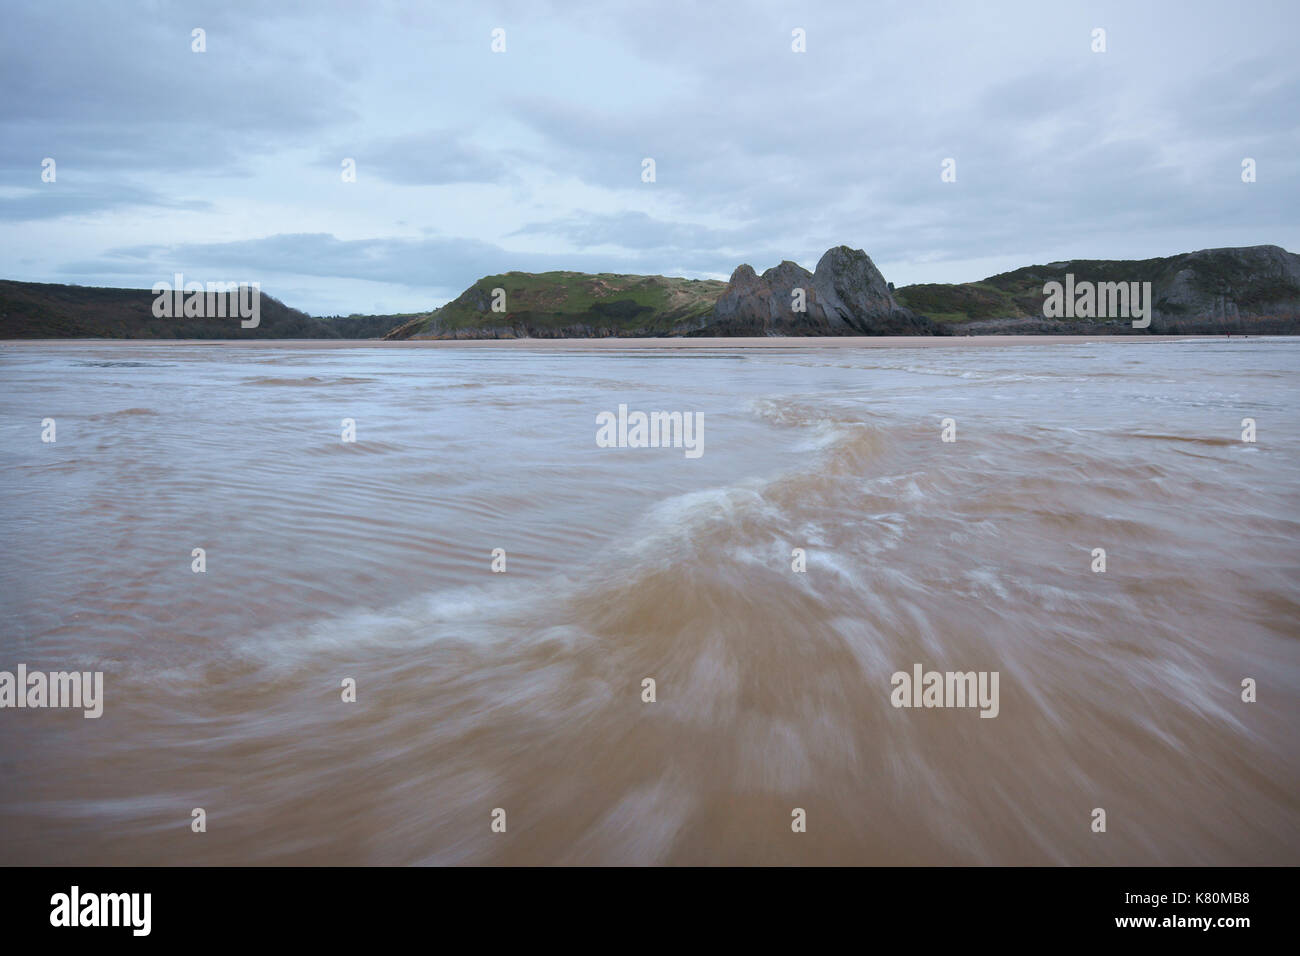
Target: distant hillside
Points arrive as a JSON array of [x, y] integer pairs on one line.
[[1248, 289], [570, 305], [1251, 289], [43, 310], [845, 296], [1254, 289]]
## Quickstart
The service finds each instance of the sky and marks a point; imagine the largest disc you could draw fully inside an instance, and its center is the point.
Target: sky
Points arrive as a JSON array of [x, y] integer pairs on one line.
[[228, 164]]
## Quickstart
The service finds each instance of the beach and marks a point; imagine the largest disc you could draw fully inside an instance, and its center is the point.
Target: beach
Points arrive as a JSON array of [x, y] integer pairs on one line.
[[498, 583]]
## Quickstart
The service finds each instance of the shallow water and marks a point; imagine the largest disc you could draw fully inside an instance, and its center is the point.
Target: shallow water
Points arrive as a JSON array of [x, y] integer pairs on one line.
[[522, 690]]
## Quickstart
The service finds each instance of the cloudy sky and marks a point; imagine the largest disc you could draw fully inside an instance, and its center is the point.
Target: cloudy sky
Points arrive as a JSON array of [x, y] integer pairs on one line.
[[226, 165]]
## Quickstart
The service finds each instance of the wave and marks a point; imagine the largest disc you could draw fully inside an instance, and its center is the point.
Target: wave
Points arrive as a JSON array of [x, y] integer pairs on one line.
[[309, 380], [122, 413]]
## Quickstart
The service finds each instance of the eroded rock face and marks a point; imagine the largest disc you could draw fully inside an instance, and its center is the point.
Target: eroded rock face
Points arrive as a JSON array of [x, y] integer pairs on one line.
[[852, 291], [847, 295], [764, 304], [1229, 284]]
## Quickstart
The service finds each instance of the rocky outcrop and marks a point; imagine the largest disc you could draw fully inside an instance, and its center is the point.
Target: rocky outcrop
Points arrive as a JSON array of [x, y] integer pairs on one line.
[[1229, 284], [764, 304], [846, 295]]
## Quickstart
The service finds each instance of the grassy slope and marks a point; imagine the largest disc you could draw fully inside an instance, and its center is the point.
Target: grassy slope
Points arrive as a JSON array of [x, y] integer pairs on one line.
[[51, 310], [1019, 294], [558, 300], [960, 303]]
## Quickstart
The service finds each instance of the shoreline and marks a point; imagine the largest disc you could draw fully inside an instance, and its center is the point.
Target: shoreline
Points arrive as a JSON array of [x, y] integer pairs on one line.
[[667, 343]]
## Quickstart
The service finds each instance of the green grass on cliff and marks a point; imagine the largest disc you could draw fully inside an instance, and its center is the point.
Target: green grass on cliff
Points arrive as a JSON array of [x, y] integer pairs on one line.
[[960, 303], [1017, 294], [556, 300]]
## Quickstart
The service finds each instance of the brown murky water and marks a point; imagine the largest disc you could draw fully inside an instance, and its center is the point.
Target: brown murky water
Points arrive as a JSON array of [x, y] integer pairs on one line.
[[523, 690]]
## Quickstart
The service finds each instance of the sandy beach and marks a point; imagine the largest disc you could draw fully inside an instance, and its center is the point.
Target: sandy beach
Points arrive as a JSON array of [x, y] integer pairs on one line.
[[349, 502]]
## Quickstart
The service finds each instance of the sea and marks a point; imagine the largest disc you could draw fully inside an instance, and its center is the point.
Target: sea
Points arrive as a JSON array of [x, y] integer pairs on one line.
[[364, 604]]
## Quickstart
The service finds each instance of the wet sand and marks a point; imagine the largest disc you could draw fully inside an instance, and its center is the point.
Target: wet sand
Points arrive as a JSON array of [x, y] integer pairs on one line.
[[521, 690]]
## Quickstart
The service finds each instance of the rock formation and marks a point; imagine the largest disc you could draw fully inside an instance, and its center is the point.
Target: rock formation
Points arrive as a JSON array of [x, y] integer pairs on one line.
[[846, 295]]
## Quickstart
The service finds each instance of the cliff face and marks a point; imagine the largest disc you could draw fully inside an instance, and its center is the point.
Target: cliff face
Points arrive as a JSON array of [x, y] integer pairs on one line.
[[1248, 289], [761, 303], [1254, 282], [846, 295]]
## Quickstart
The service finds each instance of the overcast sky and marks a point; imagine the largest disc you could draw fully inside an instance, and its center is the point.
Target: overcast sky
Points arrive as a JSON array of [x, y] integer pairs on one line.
[[226, 165]]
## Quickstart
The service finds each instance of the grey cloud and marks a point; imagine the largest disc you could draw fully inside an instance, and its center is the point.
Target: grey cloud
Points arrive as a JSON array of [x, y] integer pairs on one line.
[[431, 158], [1060, 152], [119, 88], [635, 231], [435, 262], [58, 199]]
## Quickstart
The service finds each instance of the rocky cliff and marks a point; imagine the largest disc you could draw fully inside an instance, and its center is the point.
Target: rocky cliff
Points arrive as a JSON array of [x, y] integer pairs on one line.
[[1248, 289], [845, 295]]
